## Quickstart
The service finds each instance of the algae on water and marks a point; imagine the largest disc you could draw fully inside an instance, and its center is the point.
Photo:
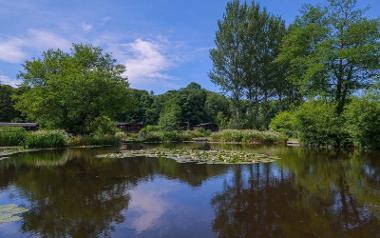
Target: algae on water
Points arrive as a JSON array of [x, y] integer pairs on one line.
[[198, 156], [10, 213]]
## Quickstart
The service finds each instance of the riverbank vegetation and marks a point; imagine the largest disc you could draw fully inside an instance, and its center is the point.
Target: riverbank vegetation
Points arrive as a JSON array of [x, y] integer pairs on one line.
[[316, 79]]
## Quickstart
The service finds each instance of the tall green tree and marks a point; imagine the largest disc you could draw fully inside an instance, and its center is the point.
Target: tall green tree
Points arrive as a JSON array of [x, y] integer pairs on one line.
[[170, 116], [227, 56], [70, 90], [332, 51], [247, 44]]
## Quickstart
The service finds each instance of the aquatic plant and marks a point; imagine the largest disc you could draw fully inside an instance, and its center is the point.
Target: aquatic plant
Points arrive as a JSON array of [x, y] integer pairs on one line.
[[197, 156], [10, 213]]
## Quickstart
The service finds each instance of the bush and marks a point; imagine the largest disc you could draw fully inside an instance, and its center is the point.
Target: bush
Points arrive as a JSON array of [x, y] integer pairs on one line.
[[285, 122], [46, 139], [248, 136], [363, 122], [318, 125], [12, 136], [103, 126]]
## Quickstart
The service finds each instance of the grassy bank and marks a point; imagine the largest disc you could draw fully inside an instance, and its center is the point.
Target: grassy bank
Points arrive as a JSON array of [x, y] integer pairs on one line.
[[248, 137], [154, 134], [10, 136]]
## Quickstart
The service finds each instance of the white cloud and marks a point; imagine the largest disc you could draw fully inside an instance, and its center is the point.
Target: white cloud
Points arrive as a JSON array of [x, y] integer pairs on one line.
[[15, 49], [147, 61], [86, 27], [11, 50], [43, 40], [6, 80]]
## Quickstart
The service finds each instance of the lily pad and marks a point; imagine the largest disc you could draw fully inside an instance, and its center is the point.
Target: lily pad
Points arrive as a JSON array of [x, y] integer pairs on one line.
[[10, 213], [197, 156]]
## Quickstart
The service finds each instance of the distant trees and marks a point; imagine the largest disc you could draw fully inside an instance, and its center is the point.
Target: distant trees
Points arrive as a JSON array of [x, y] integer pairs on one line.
[[70, 90], [193, 105], [247, 44]]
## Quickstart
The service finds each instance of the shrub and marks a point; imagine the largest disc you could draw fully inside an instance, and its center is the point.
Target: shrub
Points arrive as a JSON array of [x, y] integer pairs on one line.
[[318, 125], [363, 122], [149, 134], [12, 136], [103, 126], [248, 136], [46, 139], [285, 122]]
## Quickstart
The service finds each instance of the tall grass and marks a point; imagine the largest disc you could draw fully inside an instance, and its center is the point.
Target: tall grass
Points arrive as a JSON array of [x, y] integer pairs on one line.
[[12, 136], [248, 136], [46, 139], [155, 134], [83, 140]]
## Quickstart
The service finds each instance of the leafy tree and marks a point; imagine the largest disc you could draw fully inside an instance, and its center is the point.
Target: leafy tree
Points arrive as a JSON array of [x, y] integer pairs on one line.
[[192, 101], [363, 121], [142, 103], [247, 43], [332, 51], [227, 56], [170, 116], [7, 110], [70, 90], [318, 125], [218, 108]]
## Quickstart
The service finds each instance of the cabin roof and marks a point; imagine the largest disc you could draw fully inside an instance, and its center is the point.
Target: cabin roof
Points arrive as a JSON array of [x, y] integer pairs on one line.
[[27, 124]]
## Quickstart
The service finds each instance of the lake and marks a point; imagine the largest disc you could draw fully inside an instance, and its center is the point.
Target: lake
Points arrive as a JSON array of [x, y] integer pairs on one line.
[[308, 193]]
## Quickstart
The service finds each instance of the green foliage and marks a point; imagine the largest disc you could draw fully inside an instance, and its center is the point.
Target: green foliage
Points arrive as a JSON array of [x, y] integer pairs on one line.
[[248, 136], [332, 51], [103, 125], [285, 122], [319, 125], [69, 90], [247, 43], [7, 111], [363, 122], [12, 136], [90, 140], [46, 139], [155, 134], [170, 117]]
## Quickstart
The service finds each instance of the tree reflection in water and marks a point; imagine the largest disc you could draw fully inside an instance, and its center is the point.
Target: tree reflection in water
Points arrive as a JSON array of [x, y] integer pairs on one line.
[[306, 195], [71, 194]]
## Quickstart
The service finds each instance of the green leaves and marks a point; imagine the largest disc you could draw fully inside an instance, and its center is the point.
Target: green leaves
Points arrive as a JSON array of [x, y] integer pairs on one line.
[[332, 51], [69, 90]]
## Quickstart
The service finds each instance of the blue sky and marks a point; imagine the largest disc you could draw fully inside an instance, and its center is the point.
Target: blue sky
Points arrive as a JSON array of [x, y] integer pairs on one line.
[[163, 43]]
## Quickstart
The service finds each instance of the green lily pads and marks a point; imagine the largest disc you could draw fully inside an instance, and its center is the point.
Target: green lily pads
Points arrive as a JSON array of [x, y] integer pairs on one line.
[[10, 213], [197, 156]]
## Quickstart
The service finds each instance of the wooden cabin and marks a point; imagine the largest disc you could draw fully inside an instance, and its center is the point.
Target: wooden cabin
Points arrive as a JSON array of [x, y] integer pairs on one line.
[[30, 126], [208, 126], [130, 126]]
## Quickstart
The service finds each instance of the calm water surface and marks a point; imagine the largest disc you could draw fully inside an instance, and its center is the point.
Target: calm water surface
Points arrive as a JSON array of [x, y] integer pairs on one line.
[[70, 193]]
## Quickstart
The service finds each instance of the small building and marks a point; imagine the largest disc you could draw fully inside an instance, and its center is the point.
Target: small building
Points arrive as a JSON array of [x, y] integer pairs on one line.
[[30, 126], [208, 126], [129, 126]]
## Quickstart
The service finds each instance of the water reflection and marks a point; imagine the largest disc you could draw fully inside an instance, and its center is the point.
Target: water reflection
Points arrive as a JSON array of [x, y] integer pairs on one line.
[[70, 193], [306, 196]]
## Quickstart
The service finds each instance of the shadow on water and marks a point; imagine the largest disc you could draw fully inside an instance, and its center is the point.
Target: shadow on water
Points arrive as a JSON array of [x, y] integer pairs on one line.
[[70, 193]]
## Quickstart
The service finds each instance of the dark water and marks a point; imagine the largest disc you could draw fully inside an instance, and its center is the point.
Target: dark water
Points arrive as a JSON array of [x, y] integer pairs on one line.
[[70, 193]]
